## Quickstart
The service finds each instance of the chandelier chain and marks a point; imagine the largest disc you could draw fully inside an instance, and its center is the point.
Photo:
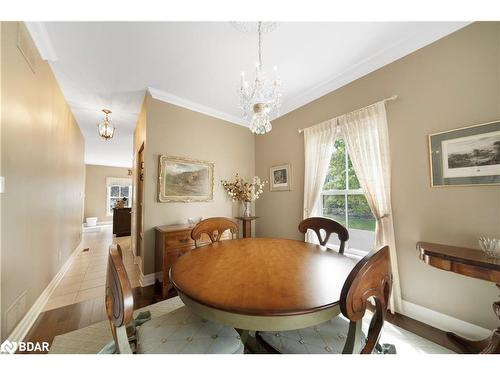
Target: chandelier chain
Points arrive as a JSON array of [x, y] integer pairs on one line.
[[260, 44]]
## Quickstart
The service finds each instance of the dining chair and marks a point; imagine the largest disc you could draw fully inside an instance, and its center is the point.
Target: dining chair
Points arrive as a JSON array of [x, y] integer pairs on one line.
[[329, 226], [179, 331], [214, 227], [370, 278]]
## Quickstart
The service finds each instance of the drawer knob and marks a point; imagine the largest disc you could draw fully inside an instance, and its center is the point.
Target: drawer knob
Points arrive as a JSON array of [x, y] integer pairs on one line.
[[184, 240]]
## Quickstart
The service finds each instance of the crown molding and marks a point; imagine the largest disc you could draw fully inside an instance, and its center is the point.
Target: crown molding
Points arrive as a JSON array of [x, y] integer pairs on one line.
[[404, 47], [41, 38], [194, 106]]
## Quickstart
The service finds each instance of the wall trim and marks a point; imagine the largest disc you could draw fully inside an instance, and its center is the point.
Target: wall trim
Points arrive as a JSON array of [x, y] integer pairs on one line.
[[194, 106], [146, 280], [42, 40], [386, 56], [443, 321], [25, 324]]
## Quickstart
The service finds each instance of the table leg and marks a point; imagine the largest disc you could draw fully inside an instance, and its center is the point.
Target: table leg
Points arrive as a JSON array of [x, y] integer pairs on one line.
[[247, 229], [490, 345]]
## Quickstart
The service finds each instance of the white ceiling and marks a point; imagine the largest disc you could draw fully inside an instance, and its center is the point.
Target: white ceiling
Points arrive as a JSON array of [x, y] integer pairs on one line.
[[198, 64]]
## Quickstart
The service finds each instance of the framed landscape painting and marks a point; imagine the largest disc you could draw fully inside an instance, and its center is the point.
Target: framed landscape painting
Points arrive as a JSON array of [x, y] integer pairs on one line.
[[280, 177], [466, 156], [185, 180]]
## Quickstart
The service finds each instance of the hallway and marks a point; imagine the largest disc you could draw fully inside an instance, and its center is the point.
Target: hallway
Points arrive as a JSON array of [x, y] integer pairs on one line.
[[86, 277]]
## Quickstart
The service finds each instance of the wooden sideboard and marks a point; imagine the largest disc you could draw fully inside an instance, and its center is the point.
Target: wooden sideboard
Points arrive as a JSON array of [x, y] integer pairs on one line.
[[468, 262], [172, 241], [122, 221]]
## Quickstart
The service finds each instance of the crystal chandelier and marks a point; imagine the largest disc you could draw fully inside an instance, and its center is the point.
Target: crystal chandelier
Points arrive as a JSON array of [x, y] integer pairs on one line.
[[105, 127], [261, 99]]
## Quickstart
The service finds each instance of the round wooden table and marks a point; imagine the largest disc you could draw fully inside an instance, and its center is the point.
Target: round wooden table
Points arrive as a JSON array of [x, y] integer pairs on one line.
[[262, 284]]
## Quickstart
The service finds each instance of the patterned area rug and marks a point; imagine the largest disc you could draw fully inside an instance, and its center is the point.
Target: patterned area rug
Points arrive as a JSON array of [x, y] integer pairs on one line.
[[91, 339]]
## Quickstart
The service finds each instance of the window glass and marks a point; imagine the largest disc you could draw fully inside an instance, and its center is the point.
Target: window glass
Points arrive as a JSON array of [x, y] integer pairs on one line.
[[343, 201], [334, 207], [124, 191], [115, 191]]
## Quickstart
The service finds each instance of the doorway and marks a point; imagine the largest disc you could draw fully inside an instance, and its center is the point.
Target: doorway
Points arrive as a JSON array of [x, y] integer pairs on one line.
[[140, 201]]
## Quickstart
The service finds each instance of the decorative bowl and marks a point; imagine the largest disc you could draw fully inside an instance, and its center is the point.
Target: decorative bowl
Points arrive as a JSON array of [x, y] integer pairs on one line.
[[491, 246]]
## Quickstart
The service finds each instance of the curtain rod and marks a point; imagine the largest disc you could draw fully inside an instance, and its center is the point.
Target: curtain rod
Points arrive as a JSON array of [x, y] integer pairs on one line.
[[394, 97]]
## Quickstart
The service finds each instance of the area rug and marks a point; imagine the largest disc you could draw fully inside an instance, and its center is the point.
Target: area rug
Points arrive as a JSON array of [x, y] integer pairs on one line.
[[91, 339]]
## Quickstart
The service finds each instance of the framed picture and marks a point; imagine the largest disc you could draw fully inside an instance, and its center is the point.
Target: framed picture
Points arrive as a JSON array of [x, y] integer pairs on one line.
[[280, 177], [185, 180], [466, 156]]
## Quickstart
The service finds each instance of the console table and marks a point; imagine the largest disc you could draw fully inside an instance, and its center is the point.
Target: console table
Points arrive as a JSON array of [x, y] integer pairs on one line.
[[247, 225], [472, 263]]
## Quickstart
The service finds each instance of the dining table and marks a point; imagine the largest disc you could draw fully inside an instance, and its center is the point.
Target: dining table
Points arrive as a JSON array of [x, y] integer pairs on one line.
[[262, 284]]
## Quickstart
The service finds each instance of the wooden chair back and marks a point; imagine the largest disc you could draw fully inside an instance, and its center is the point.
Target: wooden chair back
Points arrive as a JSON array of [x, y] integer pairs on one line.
[[214, 227], [119, 299], [329, 226], [371, 277]]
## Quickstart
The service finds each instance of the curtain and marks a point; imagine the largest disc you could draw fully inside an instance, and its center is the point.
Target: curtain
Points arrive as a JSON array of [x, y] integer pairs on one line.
[[366, 136], [318, 147]]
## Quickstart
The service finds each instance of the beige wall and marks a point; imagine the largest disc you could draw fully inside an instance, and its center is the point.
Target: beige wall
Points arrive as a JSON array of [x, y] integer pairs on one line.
[[96, 190], [176, 131], [42, 160], [451, 83]]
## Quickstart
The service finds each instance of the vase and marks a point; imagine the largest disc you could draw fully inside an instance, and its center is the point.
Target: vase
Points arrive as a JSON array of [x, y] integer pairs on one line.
[[246, 209]]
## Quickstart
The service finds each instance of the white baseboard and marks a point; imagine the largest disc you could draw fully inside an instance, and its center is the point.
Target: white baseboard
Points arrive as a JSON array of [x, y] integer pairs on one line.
[[25, 324], [443, 321], [146, 280]]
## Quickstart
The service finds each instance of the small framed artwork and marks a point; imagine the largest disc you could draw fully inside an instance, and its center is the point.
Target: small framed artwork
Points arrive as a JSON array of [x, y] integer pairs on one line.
[[280, 177], [185, 180], [466, 156]]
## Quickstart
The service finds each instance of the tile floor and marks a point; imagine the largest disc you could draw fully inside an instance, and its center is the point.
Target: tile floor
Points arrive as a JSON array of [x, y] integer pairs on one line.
[[86, 276]]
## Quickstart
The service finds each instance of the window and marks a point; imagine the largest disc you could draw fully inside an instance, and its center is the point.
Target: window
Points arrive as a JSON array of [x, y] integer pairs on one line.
[[116, 193], [343, 200]]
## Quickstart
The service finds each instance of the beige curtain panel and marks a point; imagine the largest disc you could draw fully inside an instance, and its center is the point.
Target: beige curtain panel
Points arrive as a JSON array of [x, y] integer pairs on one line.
[[366, 136], [318, 146]]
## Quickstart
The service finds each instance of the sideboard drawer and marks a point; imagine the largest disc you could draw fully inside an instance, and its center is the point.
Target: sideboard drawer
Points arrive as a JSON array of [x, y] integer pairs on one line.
[[174, 240]]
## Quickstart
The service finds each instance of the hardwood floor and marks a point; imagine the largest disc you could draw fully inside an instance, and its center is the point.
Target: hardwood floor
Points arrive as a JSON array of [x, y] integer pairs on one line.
[[435, 335], [69, 318]]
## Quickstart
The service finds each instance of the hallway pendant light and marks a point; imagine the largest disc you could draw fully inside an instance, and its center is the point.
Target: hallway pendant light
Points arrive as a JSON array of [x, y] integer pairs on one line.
[[260, 99], [105, 127]]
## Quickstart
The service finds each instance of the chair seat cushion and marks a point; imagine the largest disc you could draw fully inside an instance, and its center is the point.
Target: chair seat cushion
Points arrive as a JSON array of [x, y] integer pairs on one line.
[[181, 331], [328, 337]]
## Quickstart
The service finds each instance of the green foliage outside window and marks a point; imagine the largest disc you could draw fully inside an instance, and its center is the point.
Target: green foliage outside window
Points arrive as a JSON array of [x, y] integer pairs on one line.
[[358, 212]]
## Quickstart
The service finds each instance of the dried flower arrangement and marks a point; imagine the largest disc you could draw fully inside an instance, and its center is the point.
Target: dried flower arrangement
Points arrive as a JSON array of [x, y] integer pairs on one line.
[[242, 191]]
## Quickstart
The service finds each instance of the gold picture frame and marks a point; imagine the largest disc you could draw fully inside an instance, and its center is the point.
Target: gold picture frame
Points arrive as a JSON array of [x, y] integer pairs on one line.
[[185, 180], [442, 175], [280, 177]]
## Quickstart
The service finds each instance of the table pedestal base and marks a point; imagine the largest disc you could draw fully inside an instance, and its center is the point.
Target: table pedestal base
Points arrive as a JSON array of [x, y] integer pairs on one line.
[[490, 345]]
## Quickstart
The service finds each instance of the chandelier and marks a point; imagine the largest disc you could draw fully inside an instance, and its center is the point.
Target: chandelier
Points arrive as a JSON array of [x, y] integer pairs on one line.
[[105, 128], [260, 100]]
